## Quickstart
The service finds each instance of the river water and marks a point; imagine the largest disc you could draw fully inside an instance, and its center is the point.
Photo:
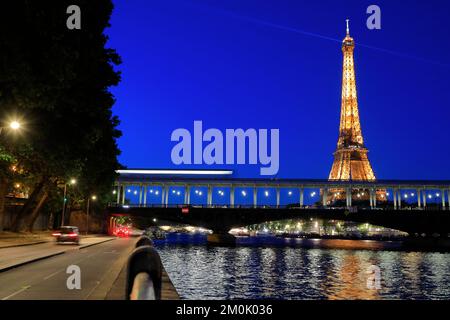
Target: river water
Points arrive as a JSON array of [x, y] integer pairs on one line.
[[295, 272]]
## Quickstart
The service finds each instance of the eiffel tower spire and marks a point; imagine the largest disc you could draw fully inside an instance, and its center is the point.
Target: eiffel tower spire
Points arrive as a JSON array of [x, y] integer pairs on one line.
[[350, 159]]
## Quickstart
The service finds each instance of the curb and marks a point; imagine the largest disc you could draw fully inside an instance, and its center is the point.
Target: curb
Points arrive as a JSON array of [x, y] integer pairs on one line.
[[24, 244], [31, 261], [93, 244]]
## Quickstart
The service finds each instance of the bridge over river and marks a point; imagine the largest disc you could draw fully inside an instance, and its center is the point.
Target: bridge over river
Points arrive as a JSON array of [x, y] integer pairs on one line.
[[416, 207]]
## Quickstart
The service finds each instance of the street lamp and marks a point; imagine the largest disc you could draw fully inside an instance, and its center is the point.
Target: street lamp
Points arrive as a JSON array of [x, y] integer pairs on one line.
[[94, 197], [13, 125], [72, 182]]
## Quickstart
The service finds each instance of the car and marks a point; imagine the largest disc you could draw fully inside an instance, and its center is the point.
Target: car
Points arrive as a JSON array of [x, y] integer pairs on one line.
[[67, 234], [123, 232]]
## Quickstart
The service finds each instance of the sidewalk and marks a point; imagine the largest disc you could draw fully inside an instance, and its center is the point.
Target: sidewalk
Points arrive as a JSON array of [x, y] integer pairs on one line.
[[17, 255]]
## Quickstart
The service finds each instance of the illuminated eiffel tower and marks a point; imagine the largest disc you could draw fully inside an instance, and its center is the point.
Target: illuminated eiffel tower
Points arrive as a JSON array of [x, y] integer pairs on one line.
[[350, 158]]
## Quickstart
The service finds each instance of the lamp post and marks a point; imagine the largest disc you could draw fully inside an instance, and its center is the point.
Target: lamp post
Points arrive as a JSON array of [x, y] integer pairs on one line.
[[72, 182], [87, 211]]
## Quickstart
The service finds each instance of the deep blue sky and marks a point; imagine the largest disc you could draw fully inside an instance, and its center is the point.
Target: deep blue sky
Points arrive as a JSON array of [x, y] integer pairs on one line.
[[252, 64]]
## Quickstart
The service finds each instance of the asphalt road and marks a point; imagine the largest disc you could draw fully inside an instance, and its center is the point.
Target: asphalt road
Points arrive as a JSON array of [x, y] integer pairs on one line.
[[47, 279]]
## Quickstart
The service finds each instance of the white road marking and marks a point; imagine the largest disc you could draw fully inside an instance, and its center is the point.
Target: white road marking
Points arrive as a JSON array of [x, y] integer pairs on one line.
[[54, 273], [17, 292]]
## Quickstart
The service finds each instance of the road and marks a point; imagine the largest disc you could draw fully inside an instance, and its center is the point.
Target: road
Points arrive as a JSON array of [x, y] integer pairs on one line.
[[100, 265]]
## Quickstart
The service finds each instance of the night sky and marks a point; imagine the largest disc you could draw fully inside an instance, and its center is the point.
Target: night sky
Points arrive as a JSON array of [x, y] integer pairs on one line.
[[278, 64]]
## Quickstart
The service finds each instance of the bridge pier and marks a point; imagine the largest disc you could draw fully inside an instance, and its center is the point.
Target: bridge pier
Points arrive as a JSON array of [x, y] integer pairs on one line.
[[448, 198], [209, 197], [187, 194], [255, 197], [324, 197], [418, 198], [145, 195], [140, 194], [443, 199], [231, 197], [302, 195], [424, 197], [123, 195], [394, 194], [278, 197], [348, 196]]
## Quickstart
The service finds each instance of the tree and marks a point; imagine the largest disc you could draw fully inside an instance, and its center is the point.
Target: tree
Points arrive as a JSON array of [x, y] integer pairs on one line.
[[57, 80]]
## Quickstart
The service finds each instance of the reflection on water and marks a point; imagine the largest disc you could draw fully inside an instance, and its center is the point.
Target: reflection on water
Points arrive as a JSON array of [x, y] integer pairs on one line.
[[201, 272]]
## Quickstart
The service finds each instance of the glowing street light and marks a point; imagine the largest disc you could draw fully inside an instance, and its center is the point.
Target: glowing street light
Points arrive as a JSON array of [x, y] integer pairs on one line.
[[15, 125], [266, 193], [290, 193], [244, 193]]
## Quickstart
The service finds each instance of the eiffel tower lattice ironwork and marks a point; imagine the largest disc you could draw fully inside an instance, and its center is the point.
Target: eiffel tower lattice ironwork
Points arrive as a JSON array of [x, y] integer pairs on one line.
[[350, 158]]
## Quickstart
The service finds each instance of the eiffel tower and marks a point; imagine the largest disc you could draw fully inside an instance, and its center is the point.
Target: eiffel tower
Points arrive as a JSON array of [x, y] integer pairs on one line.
[[350, 158]]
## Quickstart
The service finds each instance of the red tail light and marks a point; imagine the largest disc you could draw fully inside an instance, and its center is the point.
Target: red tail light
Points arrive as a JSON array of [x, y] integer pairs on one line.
[[72, 234], [56, 234]]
